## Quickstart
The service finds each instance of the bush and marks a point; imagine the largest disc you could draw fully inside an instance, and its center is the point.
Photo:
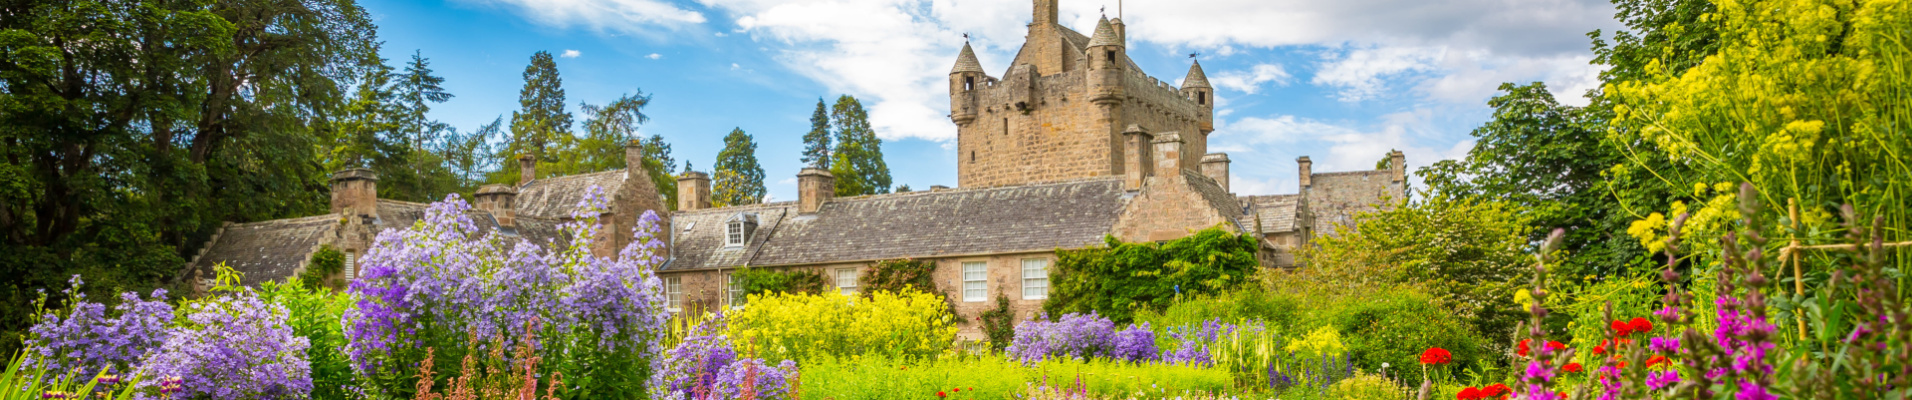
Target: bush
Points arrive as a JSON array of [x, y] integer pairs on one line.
[[705, 365], [1122, 278], [804, 327], [999, 377], [1396, 327], [900, 275], [1276, 311], [1082, 336], [1368, 387], [230, 347], [314, 314], [320, 270], [760, 281]]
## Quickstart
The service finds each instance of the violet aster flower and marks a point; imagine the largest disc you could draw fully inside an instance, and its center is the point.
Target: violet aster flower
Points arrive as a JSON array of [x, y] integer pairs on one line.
[[85, 337], [235, 347]]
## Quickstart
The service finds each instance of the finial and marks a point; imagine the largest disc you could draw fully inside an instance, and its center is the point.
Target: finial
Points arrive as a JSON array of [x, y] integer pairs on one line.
[[1105, 11], [1192, 55], [965, 37]]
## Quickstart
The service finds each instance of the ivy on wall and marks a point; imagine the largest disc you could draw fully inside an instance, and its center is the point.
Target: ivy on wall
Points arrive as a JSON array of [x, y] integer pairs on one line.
[[1122, 278]]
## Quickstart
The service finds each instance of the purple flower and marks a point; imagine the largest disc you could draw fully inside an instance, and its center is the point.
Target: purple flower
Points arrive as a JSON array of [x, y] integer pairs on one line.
[[1665, 345], [87, 339], [1135, 344], [235, 347], [1748, 390], [1661, 380]]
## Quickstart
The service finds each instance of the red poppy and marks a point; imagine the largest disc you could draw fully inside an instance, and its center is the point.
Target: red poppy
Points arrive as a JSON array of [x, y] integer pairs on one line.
[[941, 394], [1573, 368], [1600, 348], [1469, 393], [1641, 325], [1523, 347], [1556, 346], [1436, 356], [1622, 328]]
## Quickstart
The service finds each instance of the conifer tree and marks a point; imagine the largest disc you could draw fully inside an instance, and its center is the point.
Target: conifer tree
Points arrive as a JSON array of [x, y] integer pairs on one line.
[[816, 143], [859, 166], [417, 90], [738, 178], [541, 125]]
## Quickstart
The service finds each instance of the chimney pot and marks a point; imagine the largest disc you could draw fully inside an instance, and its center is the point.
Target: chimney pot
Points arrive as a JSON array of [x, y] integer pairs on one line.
[[634, 154], [1215, 166], [1307, 171], [815, 186], [356, 191], [693, 191]]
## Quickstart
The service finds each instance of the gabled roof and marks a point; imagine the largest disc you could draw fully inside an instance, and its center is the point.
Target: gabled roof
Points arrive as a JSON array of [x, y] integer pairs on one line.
[[266, 251], [556, 197], [903, 225], [1217, 198], [1276, 213]]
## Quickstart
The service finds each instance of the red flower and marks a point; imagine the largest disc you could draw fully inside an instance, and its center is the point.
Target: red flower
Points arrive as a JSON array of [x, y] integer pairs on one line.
[[1523, 347], [1556, 346], [1495, 390], [1573, 368], [1656, 360], [1469, 393], [1622, 328], [956, 390], [941, 394], [1641, 325], [1436, 356]]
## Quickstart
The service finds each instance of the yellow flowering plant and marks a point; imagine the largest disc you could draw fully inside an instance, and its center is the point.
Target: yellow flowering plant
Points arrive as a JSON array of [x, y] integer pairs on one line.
[[903, 325]]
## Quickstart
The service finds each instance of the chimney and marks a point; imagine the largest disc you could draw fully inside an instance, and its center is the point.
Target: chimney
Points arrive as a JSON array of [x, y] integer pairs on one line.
[[1121, 30], [693, 191], [1397, 162], [1307, 172], [815, 186], [1168, 155], [527, 169], [1135, 157], [1215, 166], [633, 155], [355, 191], [500, 201]]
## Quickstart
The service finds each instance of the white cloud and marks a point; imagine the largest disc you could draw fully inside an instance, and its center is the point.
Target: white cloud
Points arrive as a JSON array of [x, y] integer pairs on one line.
[[642, 17], [1360, 74], [568, 53], [654, 56], [1250, 81], [734, 67]]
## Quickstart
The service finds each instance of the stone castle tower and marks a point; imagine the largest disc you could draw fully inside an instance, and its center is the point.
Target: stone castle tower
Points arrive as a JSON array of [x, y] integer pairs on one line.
[[1062, 109]]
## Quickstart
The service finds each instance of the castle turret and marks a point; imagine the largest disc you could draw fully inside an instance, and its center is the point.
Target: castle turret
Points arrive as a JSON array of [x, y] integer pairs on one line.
[[1106, 54], [964, 82], [1196, 88]]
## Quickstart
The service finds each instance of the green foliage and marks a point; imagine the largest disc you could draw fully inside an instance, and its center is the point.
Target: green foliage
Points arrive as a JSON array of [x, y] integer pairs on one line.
[[1122, 278], [999, 324], [1468, 253], [900, 275], [737, 179], [320, 271], [315, 313], [1279, 312], [541, 124], [607, 129], [764, 282], [1630, 296], [24, 382], [996, 377], [803, 327], [1367, 387], [1396, 327], [859, 167], [816, 142]]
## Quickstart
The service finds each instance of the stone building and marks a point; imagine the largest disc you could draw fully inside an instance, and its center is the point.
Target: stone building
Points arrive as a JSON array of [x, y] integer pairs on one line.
[[1073, 144]]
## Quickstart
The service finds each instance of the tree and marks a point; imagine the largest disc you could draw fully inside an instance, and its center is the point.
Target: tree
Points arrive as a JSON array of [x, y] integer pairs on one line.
[[816, 143], [859, 166], [417, 89], [541, 125], [606, 130], [739, 180], [467, 156], [662, 168]]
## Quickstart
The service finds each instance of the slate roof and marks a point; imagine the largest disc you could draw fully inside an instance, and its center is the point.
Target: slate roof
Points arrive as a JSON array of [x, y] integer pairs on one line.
[[556, 197], [394, 214], [1276, 213], [1195, 78], [1104, 35], [966, 61], [917, 224], [1217, 197], [266, 251]]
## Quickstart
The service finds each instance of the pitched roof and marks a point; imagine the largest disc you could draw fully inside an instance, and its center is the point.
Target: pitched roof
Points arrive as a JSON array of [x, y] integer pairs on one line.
[[966, 61], [916, 224], [1218, 198], [266, 251], [1105, 35], [395, 214], [556, 197], [1276, 213], [1195, 78]]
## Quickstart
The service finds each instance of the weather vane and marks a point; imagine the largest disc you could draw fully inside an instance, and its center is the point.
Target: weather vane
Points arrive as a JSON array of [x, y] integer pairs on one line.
[[1192, 55], [1105, 11], [965, 37]]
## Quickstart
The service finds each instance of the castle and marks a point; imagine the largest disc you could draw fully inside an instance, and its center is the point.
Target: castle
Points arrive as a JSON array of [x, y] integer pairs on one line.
[[1074, 143]]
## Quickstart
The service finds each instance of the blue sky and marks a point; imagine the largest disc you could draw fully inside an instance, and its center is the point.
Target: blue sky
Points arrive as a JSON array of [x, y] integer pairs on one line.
[[1340, 81]]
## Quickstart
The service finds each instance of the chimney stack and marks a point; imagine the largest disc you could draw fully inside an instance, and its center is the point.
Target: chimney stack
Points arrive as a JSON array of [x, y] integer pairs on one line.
[[527, 169], [1168, 155], [633, 155], [1135, 157], [1215, 166], [1307, 172], [355, 191], [1397, 162], [815, 187], [501, 202], [693, 191]]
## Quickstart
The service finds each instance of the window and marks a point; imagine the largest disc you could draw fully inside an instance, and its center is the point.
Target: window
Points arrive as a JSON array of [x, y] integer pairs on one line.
[[972, 156], [975, 281], [1005, 127], [736, 288], [674, 293], [846, 280], [738, 229], [1035, 278], [1110, 55], [969, 82], [1201, 98], [351, 266]]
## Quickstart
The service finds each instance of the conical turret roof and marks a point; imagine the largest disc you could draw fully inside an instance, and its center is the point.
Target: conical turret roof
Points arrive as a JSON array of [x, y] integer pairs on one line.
[[1105, 35], [966, 62], [1195, 78]]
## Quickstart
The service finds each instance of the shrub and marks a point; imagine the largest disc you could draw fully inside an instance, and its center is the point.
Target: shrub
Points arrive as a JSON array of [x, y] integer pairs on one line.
[[1395, 328], [1000, 377], [439, 283], [1367, 387], [1277, 311], [1124, 277], [85, 337], [999, 324], [314, 314], [899, 275], [705, 365], [231, 347], [806, 327], [760, 281], [320, 270]]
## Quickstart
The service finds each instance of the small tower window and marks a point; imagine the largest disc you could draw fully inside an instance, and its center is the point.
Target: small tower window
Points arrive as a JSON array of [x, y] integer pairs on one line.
[[969, 82], [1110, 55], [738, 229], [972, 156], [1201, 98]]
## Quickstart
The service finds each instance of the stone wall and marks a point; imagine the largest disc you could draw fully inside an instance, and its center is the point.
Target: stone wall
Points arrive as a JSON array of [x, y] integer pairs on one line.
[[1335, 197], [1167, 208]]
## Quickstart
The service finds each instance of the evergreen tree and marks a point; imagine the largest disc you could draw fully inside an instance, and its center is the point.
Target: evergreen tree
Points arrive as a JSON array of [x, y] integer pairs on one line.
[[739, 180], [816, 143], [662, 168], [417, 90], [606, 129], [541, 125], [859, 166], [467, 156]]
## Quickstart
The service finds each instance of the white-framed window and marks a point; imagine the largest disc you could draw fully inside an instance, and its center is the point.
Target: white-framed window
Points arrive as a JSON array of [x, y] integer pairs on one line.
[[975, 281], [351, 266], [1035, 278], [674, 293], [736, 290], [846, 280], [738, 229]]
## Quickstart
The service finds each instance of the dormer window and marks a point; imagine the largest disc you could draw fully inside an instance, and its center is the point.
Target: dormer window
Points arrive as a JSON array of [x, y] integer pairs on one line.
[[738, 229]]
